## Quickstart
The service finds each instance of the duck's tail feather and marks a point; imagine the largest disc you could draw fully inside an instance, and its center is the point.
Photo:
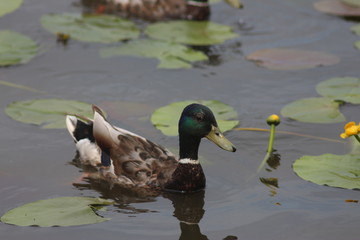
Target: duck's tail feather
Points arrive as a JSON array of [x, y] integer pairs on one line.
[[106, 135], [79, 129], [82, 133]]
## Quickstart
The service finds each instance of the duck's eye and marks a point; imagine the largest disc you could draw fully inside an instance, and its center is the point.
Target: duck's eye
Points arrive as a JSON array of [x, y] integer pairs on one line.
[[199, 117]]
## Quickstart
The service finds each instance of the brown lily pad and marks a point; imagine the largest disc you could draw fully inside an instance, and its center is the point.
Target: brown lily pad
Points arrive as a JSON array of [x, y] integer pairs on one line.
[[121, 110], [130, 115], [337, 7], [291, 59]]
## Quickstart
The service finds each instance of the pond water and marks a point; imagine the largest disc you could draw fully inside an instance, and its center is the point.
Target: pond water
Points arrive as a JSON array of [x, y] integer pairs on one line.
[[35, 163]]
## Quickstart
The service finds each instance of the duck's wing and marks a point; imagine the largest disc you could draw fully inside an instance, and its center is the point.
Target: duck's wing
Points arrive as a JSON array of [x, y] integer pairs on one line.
[[129, 156]]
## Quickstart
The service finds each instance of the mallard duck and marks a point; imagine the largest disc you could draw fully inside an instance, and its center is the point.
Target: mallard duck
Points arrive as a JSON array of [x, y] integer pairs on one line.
[[131, 161], [155, 10]]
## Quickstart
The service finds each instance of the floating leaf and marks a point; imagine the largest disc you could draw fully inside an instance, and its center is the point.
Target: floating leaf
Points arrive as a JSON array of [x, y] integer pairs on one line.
[[356, 29], [16, 48], [336, 7], [234, 3], [166, 118], [291, 59], [63, 211], [357, 45], [48, 113], [314, 110], [346, 89], [190, 32], [91, 28], [352, 3], [170, 55], [8, 6], [331, 170]]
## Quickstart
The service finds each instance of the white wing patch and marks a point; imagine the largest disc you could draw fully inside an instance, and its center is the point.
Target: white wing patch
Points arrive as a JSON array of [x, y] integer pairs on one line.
[[121, 1]]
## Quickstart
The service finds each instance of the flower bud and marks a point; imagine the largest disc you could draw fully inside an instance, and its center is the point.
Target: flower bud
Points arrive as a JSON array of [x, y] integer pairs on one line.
[[273, 120]]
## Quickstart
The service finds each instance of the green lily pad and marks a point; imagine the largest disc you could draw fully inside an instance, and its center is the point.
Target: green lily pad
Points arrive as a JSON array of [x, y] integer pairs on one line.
[[16, 48], [357, 45], [314, 110], [352, 3], [234, 3], [91, 28], [346, 89], [63, 211], [170, 55], [190, 32], [8, 6], [331, 170], [166, 118], [47, 113], [291, 59], [337, 7], [356, 29]]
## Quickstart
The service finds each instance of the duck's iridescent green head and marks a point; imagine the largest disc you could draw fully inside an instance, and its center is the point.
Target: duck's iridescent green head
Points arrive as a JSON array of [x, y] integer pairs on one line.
[[198, 121]]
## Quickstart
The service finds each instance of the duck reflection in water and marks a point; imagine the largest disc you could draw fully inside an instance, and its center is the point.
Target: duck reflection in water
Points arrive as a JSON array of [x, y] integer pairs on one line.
[[188, 208]]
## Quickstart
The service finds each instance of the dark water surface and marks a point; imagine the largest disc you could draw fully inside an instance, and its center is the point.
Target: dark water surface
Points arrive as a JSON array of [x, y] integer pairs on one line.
[[35, 162]]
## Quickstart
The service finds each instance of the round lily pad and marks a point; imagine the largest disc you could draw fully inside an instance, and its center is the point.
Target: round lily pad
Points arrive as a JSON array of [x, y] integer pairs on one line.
[[352, 3], [170, 55], [63, 211], [291, 59], [331, 170], [234, 3], [91, 28], [8, 6], [16, 48], [337, 7], [166, 118], [356, 29], [346, 89], [314, 110], [357, 45], [190, 32], [47, 113]]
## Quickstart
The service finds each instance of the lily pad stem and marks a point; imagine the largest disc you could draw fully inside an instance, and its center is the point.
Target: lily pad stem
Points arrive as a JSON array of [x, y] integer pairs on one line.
[[273, 120], [270, 148]]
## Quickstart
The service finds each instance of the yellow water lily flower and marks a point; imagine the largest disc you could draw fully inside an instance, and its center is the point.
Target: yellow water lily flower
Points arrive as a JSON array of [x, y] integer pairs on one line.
[[351, 129]]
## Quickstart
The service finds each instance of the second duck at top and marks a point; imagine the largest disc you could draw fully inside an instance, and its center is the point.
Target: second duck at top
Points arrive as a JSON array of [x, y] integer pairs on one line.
[[155, 10]]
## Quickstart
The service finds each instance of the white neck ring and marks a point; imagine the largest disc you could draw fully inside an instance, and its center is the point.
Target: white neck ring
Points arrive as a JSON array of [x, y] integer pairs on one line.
[[188, 161], [198, 4]]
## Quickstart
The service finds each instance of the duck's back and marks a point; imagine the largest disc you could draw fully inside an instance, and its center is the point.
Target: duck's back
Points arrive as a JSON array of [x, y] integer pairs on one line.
[[123, 157], [145, 9]]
